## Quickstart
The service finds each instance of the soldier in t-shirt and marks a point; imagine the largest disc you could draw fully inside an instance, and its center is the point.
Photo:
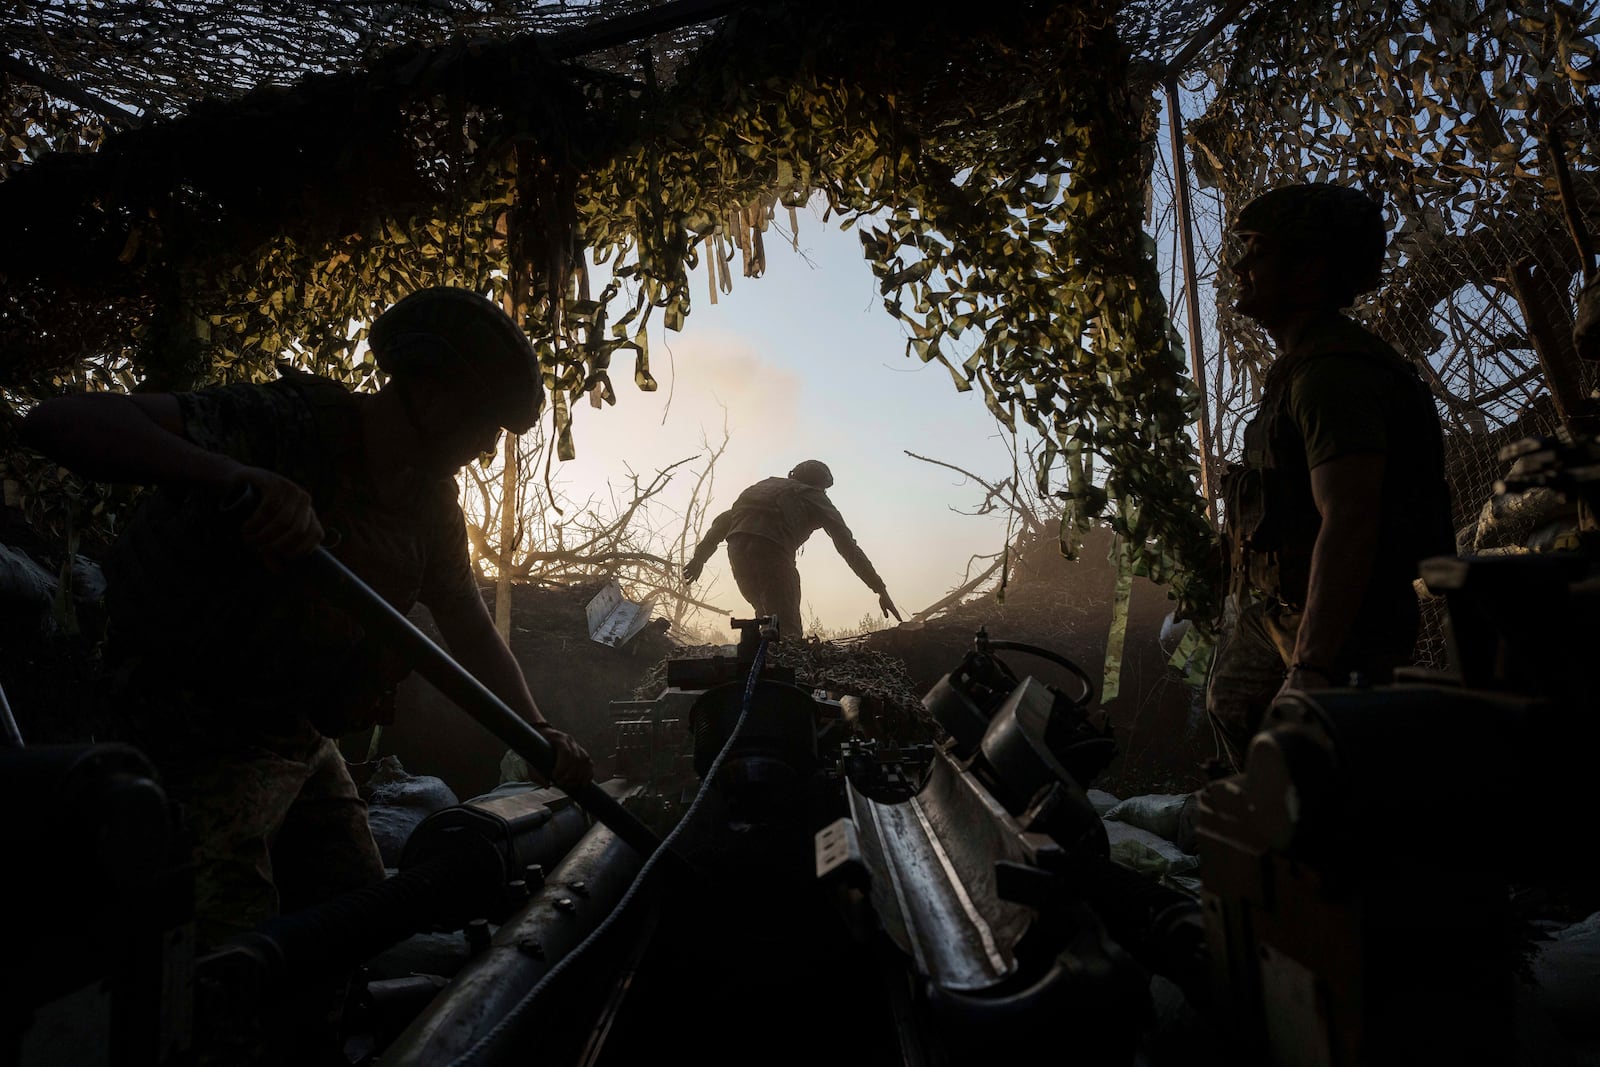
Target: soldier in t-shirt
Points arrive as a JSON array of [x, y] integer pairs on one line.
[[234, 672], [1342, 489], [766, 527]]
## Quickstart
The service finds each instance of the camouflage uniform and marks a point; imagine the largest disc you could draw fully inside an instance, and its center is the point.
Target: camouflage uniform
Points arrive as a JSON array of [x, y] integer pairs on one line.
[[764, 529], [1338, 391], [235, 679]]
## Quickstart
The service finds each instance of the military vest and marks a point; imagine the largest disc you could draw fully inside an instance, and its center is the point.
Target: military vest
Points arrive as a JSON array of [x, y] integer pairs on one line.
[[1273, 520], [775, 509]]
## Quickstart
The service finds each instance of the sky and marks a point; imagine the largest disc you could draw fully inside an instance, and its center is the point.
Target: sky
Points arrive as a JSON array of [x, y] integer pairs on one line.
[[809, 365]]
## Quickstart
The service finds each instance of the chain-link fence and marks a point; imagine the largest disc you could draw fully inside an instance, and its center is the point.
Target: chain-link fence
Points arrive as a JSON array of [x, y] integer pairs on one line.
[[1459, 122]]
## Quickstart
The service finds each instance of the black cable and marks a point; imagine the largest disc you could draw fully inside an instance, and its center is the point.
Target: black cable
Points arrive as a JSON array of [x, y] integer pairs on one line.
[[1057, 658], [8, 723], [472, 1054], [386, 624]]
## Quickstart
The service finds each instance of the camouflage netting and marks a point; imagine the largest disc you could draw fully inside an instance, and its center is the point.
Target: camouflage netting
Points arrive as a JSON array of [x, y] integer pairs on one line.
[[1451, 114], [1477, 125], [197, 191]]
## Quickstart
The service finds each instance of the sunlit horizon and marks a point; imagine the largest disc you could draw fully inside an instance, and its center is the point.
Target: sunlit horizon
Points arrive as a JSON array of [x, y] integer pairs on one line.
[[804, 363]]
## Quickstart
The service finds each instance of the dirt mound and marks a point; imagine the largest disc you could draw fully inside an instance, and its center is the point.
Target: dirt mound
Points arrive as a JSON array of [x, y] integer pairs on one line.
[[892, 709], [1054, 603], [1065, 606]]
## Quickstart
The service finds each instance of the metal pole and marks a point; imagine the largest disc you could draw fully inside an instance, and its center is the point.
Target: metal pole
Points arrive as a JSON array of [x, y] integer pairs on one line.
[[1191, 290], [1207, 34], [1545, 310], [473, 697]]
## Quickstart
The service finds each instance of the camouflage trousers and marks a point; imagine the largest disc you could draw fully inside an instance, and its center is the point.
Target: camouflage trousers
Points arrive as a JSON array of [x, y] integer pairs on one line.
[[1254, 654], [1247, 670], [767, 578], [277, 822]]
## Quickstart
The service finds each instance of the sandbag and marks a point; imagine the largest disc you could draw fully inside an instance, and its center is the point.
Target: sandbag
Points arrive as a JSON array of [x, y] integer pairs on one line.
[[397, 802], [28, 594], [1567, 972], [1143, 851], [1156, 812], [88, 580], [1102, 801]]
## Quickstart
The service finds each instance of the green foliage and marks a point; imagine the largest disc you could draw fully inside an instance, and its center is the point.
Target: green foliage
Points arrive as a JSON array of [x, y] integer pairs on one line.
[[998, 195], [1026, 248]]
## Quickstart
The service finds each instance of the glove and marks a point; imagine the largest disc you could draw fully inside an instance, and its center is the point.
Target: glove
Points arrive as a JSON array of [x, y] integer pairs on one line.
[[888, 607], [691, 570]]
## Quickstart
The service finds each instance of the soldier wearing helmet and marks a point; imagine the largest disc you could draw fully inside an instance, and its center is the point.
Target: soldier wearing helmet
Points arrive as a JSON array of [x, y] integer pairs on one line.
[[1341, 491], [234, 676], [766, 527]]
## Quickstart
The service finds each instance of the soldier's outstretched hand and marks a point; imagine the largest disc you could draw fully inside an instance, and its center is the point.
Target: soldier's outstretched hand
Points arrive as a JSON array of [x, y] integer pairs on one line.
[[284, 524], [888, 607], [573, 767], [691, 570]]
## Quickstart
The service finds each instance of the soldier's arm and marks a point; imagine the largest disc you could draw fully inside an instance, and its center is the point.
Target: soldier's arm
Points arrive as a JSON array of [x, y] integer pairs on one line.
[[1348, 492], [714, 536], [845, 542], [114, 438], [141, 439], [475, 643], [1340, 409]]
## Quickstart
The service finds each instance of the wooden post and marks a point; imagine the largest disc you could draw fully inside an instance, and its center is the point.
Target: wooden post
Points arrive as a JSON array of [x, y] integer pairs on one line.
[[1549, 322], [508, 491], [508, 540], [1191, 291]]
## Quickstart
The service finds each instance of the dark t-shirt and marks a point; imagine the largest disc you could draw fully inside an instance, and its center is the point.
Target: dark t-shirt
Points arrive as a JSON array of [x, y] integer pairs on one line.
[[200, 615], [1343, 407], [1341, 391]]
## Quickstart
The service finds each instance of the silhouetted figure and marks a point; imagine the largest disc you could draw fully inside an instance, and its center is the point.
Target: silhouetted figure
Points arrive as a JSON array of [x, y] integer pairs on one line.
[[234, 673], [766, 527], [1342, 490]]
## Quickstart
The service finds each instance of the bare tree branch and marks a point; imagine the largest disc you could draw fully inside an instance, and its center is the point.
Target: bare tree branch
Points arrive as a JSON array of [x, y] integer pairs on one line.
[[621, 532], [956, 596], [1004, 493]]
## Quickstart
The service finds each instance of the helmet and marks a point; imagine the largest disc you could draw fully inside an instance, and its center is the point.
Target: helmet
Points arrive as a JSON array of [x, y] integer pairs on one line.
[[1343, 223], [813, 472], [457, 334]]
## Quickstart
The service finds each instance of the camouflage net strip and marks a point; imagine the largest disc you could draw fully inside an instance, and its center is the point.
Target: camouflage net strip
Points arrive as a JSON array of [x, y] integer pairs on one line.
[[892, 708]]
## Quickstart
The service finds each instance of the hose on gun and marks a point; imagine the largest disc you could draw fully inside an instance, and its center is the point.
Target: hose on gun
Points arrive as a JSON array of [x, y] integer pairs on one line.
[[475, 1054]]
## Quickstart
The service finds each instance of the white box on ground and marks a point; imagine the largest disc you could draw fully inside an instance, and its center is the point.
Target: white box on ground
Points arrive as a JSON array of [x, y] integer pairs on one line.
[[614, 619]]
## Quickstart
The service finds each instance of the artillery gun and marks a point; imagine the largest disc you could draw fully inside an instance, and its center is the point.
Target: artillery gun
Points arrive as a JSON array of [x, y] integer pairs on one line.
[[834, 895], [825, 894]]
